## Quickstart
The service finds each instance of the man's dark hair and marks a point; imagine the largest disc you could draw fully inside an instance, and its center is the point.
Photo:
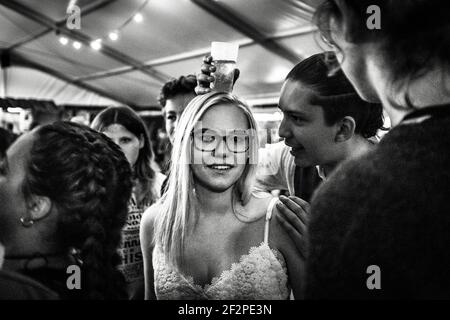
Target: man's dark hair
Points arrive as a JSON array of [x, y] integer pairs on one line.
[[336, 95], [175, 87]]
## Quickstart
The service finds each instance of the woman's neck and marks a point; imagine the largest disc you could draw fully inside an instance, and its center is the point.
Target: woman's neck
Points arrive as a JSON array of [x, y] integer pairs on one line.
[[211, 202]]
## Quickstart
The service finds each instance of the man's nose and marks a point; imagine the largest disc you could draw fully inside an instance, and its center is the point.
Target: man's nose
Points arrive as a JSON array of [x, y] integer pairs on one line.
[[284, 130]]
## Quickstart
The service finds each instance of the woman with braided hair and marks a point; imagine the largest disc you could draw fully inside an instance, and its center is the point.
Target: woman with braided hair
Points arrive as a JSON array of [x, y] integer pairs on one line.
[[64, 190], [127, 130]]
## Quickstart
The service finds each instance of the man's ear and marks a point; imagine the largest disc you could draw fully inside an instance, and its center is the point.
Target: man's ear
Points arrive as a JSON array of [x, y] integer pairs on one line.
[[346, 129], [38, 207]]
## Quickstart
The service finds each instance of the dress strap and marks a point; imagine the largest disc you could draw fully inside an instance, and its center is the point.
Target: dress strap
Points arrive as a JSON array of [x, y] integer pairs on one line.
[[268, 217]]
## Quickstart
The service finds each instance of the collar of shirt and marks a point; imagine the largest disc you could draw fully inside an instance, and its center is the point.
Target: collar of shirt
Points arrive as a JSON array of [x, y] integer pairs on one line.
[[321, 173]]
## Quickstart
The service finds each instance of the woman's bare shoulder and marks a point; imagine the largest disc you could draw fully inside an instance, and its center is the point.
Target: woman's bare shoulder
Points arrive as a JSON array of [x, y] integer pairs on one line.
[[150, 216], [256, 207]]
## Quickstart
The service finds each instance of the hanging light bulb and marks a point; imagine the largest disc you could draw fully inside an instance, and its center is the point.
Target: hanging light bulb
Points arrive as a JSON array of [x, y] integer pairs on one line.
[[63, 40], [113, 35], [138, 17], [96, 44], [76, 45]]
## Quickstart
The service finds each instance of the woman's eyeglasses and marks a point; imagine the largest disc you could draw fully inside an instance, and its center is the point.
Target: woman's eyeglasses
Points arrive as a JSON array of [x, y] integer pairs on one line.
[[237, 141]]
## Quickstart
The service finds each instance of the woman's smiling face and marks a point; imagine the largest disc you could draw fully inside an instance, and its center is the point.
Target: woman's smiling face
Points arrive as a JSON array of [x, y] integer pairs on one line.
[[220, 168]]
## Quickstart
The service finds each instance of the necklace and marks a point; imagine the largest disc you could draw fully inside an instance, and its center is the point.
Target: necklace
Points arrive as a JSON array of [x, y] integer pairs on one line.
[[37, 260]]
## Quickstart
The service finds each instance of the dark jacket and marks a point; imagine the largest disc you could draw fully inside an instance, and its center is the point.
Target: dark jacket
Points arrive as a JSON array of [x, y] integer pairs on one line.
[[391, 209]]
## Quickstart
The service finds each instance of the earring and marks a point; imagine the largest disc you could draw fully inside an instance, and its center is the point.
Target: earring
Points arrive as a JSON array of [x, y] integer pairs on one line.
[[26, 222]]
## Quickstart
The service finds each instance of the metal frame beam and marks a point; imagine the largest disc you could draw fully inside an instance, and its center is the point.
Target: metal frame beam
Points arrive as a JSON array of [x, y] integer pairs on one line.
[[84, 12], [191, 55], [230, 18], [21, 61]]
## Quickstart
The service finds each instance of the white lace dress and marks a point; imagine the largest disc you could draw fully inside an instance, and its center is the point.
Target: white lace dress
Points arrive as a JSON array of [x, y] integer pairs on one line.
[[259, 275]]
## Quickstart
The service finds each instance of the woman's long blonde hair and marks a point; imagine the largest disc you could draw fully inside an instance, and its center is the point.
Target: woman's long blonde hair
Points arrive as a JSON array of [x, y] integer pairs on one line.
[[177, 204]]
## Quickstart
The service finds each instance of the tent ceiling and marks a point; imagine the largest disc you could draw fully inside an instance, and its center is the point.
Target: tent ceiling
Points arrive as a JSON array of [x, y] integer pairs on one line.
[[170, 41]]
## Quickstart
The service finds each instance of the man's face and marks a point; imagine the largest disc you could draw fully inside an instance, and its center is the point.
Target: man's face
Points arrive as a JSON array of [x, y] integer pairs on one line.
[[304, 127], [173, 110]]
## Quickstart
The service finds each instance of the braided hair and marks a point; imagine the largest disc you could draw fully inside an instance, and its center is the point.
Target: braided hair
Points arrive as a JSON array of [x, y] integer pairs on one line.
[[88, 179]]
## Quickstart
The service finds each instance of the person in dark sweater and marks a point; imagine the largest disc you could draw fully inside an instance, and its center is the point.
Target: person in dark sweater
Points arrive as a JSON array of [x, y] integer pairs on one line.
[[64, 190], [379, 226]]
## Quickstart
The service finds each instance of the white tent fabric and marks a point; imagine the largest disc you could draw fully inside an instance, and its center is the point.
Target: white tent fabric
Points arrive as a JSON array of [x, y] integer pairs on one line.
[[26, 82], [170, 41]]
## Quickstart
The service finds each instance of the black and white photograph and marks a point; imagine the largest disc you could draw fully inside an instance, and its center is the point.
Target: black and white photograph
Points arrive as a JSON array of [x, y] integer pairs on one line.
[[240, 151]]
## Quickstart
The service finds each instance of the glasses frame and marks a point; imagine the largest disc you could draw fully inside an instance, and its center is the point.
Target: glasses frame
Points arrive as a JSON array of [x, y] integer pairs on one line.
[[219, 139]]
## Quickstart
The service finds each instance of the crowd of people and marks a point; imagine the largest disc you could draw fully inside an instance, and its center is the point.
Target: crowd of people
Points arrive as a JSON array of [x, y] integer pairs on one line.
[[362, 218]]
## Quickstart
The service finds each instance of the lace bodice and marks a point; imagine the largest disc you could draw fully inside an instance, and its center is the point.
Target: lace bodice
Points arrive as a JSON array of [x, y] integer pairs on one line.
[[260, 274]]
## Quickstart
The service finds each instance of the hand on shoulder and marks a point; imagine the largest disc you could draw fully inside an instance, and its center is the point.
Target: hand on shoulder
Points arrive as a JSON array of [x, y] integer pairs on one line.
[[256, 207], [293, 215]]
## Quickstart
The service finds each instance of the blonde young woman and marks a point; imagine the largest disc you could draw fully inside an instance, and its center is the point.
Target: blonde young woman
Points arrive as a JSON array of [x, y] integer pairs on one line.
[[209, 237]]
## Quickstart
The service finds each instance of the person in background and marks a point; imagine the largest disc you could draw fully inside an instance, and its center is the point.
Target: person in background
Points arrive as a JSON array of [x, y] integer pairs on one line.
[[64, 190], [173, 98], [6, 139], [124, 126]]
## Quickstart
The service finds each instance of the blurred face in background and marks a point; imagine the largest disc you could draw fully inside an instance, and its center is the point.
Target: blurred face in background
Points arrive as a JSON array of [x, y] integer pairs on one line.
[[25, 120], [127, 141], [172, 112]]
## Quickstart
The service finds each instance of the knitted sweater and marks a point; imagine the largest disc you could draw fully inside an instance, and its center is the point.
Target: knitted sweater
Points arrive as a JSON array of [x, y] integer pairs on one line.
[[389, 209]]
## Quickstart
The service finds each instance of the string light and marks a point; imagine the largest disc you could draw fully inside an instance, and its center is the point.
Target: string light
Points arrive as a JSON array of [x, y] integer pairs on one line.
[[96, 44], [113, 35], [77, 45], [138, 17], [63, 40]]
